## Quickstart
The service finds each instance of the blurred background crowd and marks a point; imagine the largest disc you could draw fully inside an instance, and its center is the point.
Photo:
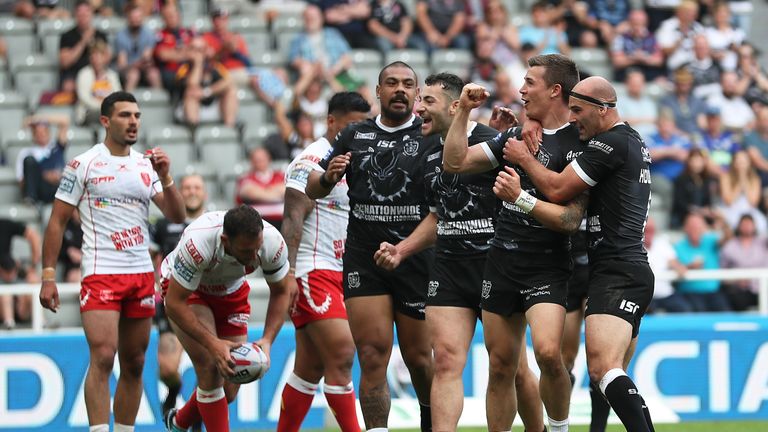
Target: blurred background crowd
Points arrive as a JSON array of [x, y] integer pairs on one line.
[[233, 89]]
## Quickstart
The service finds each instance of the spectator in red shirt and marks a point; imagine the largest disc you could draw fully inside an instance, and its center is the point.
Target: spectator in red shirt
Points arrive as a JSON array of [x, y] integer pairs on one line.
[[173, 46], [263, 187]]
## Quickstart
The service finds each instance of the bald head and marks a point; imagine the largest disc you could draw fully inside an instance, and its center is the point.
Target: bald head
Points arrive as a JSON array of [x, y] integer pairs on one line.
[[596, 87]]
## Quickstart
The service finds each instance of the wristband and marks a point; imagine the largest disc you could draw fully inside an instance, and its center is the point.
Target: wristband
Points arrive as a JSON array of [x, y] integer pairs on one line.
[[166, 186], [325, 183], [48, 273], [526, 201]]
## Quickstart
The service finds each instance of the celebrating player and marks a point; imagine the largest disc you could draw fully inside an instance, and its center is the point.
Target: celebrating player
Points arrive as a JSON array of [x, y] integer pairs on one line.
[[615, 165], [315, 233], [111, 186], [207, 303], [384, 161], [527, 267]]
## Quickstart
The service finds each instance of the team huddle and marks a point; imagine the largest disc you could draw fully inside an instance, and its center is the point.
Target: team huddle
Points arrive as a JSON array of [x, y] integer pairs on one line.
[[418, 220]]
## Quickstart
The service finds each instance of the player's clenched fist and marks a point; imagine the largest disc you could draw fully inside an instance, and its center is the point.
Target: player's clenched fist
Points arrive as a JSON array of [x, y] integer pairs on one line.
[[336, 168], [473, 95], [507, 185]]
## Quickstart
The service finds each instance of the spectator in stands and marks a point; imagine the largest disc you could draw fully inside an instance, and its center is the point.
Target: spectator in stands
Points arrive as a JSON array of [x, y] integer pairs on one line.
[[637, 48], [669, 151], [740, 192], [40, 10], [134, 46], [662, 257], [574, 14], [608, 18], [688, 109], [720, 144], [441, 24], [543, 33], [391, 25], [747, 249], [322, 53], [484, 67], [699, 249], [10, 271], [723, 38], [695, 190], [675, 35], [659, 11], [173, 47], [74, 45], [753, 80], [350, 17], [39, 168], [637, 108], [497, 27], [705, 69], [756, 144], [94, 83], [208, 92], [263, 187], [503, 94], [71, 253], [736, 112], [294, 133], [310, 100]]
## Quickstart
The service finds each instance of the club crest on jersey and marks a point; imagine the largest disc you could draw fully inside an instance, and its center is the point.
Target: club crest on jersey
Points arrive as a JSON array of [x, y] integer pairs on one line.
[[486, 293], [432, 291], [146, 179], [543, 157], [353, 280], [411, 148]]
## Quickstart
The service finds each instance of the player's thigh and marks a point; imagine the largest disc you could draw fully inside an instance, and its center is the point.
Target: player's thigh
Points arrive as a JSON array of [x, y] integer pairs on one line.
[[196, 351], [370, 321], [451, 330], [101, 330], [414, 339], [503, 337], [133, 339], [333, 340], [308, 365], [608, 339], [547, 321]]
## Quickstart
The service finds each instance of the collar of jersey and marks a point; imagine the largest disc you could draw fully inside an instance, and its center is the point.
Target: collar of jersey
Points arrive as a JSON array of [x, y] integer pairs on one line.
[[554, 131], [396, 128]]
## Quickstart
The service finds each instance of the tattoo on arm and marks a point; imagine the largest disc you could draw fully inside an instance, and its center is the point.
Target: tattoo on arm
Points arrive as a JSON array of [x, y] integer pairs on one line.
[[375, 404], [574, 212]]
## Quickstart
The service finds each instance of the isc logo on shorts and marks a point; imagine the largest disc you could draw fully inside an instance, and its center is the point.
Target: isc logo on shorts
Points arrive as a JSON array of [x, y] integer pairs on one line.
[[629, 306]]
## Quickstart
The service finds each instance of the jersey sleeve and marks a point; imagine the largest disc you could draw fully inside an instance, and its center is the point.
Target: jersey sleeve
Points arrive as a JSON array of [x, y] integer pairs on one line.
[[157, 185], [494, 147], [598, 160], [298, 172], [190, 261], [338, 146], [72, 183], [273, 255]]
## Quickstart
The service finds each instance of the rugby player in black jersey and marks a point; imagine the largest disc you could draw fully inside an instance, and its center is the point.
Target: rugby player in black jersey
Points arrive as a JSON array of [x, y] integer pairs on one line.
[[384, 161], [465, 210], [615, 167], [528, 266]]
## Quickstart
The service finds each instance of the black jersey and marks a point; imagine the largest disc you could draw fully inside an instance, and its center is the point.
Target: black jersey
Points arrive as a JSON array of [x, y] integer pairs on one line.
[[387, 191], [516, 230], [616, 165], [465, 204], [166, 235]]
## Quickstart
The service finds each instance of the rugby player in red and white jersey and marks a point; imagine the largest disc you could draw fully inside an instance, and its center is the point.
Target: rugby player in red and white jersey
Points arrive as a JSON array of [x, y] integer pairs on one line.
[[206, 299], [111, 186], [315, 232]]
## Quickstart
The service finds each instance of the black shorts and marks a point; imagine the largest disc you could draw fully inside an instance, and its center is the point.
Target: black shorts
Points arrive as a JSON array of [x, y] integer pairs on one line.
[[161, 319], [620, 288], [456, 282], [407, 284], [514, 281], [578, 285]]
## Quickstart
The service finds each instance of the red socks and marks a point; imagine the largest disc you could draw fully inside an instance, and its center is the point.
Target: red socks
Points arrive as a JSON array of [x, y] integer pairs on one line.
[[296, 400], [208, 405], [341, 399]]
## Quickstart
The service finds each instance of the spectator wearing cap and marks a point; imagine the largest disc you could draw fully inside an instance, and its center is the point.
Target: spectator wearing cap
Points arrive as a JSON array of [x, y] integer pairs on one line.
[[736, 112], [94, 83], [39, 167], [134, 46], [9, 270], [687, 108], [173, 47], [74, 45], [719, 143]]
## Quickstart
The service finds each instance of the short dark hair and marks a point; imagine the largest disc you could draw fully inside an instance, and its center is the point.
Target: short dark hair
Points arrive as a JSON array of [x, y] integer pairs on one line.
[[83, 3], [452, 84], [397, 63], [346, 102], [108, 104], [559, 70], [242, 220]]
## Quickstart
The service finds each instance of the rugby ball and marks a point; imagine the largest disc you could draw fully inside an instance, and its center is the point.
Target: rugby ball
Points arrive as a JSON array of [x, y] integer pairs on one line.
[[251, 363]]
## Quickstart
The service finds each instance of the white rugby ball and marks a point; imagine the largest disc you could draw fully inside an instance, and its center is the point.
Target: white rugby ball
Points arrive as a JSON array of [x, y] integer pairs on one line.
[[251, 363]]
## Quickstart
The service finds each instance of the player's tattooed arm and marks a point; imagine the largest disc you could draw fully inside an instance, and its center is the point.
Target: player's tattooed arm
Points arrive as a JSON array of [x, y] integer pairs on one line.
[[375, 403], [297, 207], [573, 213]]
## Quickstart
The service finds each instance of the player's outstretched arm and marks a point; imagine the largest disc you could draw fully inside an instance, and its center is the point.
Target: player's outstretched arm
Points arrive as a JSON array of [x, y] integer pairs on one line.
[[181, 314], [390, 256], [563, 218], [320, 183], [458, 157], [54, 233], [169, 201], [295, 210], [281, 295]]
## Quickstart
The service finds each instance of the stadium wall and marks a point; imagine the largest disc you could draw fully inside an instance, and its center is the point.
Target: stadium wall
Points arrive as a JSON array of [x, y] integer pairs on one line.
[[702, 367]]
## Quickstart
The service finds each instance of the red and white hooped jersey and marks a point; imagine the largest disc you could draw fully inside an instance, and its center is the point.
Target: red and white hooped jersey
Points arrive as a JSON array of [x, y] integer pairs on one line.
[[199, 262], [112, 194], [325, 228]]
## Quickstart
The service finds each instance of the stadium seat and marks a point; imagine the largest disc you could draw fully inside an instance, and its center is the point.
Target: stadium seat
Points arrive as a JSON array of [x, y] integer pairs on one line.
[[247, 24], [258, 41], [169, 134], [365, 58], [594, 61], [192, 8], [49, 32], [283, 41], [228, 187], [78, 136], [215, 134], [156, 109], [34, 75], [254, 113], [180, 155], [415, 58], [13, 109], [19, 212], [74, 149], [269, 58], [154, 23], [109, 25], [222, 156], [9, 188], [254, 136], [285, 23], [198, 24], [19, 36], [456, 61], [13, 143]]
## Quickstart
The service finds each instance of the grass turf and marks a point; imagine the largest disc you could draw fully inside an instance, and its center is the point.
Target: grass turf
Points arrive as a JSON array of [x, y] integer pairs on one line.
[[713, 426]]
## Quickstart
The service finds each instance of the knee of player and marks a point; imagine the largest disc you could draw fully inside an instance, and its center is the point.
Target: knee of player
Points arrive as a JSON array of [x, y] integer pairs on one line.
[[417, 357], [132, 365], [549, 359], [449, 359], [103, 358], [373, 356], [501, 367]]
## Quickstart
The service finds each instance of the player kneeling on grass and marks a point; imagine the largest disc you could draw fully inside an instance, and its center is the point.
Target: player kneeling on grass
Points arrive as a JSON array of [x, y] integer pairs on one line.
[[206, 298]]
